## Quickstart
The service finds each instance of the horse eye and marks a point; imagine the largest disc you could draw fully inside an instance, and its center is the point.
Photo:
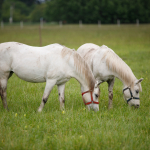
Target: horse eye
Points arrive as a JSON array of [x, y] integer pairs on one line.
[[96, 95], [137, 91]]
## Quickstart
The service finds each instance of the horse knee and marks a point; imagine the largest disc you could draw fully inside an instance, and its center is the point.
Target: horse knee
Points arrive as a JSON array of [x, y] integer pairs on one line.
[[110, 95], [110, 100], [45, 100]]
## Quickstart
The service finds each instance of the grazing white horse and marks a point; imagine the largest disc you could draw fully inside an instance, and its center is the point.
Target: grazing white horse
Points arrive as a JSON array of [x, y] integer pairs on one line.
[[106, 65], [53, 64]]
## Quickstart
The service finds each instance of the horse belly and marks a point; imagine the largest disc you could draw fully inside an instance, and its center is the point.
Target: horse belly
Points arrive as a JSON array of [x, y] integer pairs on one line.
[[29, 72], [30, 76]]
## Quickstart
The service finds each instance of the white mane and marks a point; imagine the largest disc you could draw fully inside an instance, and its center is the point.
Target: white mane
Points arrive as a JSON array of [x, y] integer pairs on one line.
[[118, 66], [81, 66]]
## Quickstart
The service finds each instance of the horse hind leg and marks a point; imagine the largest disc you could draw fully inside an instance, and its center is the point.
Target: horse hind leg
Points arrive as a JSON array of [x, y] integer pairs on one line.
[[3, 94], [3, 87], [110, 90], [61, 92]]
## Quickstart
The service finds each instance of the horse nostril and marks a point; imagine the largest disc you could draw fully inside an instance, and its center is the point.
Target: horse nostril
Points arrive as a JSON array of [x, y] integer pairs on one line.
[[137, 106]]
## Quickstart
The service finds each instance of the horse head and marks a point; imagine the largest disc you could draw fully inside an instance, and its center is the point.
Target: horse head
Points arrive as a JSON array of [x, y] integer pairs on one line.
[[91, 98], [131, 93]]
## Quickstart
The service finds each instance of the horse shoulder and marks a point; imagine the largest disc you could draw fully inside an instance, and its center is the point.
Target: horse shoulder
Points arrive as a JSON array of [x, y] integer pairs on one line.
[[100, 69]]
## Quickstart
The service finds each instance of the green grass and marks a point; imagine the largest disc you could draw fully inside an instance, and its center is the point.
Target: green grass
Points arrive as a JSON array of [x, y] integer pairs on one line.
[[120, 128]]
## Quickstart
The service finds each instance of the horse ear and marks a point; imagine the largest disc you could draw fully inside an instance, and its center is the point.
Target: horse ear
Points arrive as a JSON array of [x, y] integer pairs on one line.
[[138, 81], [97, 83]]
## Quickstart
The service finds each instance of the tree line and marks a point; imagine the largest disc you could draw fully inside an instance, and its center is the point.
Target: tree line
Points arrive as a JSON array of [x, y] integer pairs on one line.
[[71, 11]]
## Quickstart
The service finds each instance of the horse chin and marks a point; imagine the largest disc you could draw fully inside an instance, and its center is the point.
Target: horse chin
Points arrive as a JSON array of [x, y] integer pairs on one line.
[[93, 107], [135, 105], [97, 109]]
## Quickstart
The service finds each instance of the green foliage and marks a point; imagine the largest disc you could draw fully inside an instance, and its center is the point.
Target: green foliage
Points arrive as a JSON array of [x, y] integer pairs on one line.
[[20, 11], [38, 12], [120, 128], [28, 2], [1, 2], [108, 11], [73, 11], [105, 10]]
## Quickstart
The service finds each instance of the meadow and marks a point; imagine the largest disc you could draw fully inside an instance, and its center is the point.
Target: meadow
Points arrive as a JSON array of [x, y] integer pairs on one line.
[[77, 128]]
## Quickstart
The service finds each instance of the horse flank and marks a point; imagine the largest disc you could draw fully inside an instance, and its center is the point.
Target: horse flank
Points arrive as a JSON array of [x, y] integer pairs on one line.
[[118, 66], [81, 66]]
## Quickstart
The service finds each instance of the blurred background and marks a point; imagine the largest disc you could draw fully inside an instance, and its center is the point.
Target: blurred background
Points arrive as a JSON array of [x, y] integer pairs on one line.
[[74, 11]]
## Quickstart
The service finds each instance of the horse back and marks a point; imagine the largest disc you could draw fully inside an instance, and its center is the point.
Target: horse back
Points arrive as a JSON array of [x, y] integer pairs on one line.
[[33, 64], [87, 51]]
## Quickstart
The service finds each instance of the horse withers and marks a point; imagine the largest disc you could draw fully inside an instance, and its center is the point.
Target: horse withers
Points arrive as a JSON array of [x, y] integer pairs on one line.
[[53, 64], [106, 65]]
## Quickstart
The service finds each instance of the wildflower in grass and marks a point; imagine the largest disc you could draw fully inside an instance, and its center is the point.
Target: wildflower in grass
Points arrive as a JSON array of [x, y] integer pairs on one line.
[[24, 115], [80, 136], [63, 112], [16, 114], [84, 108], [67, 119], [26, 127]]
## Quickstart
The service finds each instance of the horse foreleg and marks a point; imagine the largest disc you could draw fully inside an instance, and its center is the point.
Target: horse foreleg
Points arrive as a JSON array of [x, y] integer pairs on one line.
[[3, 94], [61, 92], [110, 90], [49, 85], [110, 105]]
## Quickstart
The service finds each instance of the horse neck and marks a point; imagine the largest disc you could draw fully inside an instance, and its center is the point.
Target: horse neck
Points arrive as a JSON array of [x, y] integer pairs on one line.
[[83, 83], [80, 69], [84, 76], [119, 68], [126, 76]]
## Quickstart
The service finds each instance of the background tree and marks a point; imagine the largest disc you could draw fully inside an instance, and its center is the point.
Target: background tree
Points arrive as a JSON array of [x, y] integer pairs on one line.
[[105, 10], [108, 11], [28, 2], [38, 12], [1, 3], [20, 11]]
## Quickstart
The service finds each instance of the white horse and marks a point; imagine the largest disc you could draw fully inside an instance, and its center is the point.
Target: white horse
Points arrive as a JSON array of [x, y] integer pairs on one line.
[[53, 64], [106, 65]]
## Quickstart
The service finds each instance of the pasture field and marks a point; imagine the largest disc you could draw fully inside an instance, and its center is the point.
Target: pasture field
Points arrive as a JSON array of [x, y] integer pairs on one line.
[[76, 128]]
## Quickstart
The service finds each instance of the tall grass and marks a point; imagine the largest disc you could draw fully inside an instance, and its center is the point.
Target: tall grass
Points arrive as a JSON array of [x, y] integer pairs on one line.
[[76, 128]]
